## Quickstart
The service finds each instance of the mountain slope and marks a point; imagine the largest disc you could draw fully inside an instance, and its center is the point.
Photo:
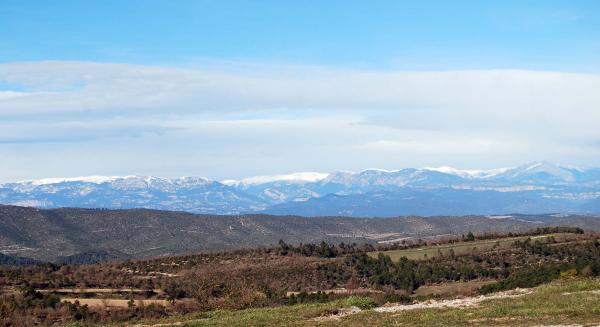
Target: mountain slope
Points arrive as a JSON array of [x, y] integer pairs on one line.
[[529, 189], [442, 201], [187, 193]]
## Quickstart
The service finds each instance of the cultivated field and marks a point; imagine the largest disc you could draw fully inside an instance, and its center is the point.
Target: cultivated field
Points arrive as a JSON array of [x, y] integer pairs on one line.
[[98, 290], [425, 252]]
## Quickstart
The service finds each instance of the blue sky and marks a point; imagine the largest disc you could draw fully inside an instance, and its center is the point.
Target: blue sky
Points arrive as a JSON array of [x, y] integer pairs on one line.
[[553, 35], [228, 89]]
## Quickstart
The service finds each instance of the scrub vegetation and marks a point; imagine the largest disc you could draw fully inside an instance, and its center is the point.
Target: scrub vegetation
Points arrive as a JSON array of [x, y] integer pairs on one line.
[[310, 284]]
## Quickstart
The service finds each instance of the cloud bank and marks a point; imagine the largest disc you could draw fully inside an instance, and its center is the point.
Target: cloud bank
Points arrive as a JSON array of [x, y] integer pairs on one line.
[[81, 118]]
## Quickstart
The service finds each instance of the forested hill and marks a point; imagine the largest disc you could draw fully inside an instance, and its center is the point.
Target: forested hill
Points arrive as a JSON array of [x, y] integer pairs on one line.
[[71, 234]]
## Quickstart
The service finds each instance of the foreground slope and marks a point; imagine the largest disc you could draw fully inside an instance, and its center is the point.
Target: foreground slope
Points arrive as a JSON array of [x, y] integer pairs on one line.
[[567, 302], [313, 284]]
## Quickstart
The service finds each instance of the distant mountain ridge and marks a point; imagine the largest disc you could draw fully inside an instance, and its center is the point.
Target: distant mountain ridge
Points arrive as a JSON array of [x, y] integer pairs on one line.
[[535, 188]]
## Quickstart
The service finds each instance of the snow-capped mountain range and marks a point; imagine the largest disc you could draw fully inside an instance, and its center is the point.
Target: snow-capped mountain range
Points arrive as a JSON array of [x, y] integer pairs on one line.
[[539, 187]]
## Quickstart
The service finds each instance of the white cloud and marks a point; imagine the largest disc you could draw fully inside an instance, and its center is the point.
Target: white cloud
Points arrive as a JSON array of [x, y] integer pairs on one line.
[[83, 86], [240, 121], [11, 95]]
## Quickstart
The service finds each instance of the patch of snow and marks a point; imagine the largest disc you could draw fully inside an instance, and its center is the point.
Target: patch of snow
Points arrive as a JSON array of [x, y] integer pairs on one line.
[[466, 173], [32, 203], [86, 179], [542, 167], [274, 194], [499, 217], [305, 177], [506, 189], [148, 180], [378, 170]]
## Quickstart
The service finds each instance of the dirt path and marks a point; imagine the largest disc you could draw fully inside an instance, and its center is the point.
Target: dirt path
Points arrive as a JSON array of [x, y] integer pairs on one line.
[[167, 324], [342, 313], [595, 292], [455, 303]]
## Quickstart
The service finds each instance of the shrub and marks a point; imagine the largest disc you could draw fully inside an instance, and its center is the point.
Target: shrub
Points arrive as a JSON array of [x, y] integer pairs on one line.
[[304, 297], [397, 298], [568, 273], [361, 302], [470, 237], [524, 278]]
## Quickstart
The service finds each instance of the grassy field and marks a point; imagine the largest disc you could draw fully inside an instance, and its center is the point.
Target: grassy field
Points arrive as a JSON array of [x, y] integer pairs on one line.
[[563, 302], [458, 248]]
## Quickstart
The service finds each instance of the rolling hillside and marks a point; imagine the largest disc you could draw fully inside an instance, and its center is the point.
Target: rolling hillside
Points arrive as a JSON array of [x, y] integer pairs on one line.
[[56, 234]]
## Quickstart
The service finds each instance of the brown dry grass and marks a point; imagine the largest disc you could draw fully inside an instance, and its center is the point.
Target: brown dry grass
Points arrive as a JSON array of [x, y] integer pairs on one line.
[[454, 288], [342, 291], [113, 302], [97, 290]]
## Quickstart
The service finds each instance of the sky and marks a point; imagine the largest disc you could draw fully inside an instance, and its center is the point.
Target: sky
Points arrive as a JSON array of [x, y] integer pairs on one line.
[[231, 89]]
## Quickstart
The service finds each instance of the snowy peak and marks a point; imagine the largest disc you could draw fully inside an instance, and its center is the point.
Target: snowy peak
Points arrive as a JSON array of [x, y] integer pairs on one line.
[[134, 181], [303, 177], [83, 179], [541, 185], [536, 172], [194, 194], [464, 173], [542, 171], [539, 171]]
